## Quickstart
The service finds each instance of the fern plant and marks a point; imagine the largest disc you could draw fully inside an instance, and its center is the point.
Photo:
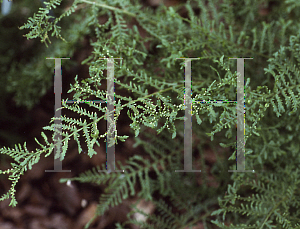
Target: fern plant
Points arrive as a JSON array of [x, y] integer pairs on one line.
[[214, 31]]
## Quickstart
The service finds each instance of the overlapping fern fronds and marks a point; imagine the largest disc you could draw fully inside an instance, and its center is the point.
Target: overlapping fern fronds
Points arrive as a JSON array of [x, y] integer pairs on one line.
[[155, 80]]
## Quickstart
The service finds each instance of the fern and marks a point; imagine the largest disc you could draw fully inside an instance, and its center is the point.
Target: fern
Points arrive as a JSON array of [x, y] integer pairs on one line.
[[212, 31]]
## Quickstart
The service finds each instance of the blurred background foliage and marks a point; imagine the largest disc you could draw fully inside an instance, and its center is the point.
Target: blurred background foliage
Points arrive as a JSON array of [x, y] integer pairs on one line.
[[25, 74]]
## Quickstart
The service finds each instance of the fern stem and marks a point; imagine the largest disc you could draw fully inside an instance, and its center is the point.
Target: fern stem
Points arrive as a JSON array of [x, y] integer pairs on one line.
[[272, 210], [108, 7]]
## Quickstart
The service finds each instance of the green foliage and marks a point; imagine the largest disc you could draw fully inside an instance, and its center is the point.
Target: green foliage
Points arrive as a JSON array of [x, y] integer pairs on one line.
[[213, 31]]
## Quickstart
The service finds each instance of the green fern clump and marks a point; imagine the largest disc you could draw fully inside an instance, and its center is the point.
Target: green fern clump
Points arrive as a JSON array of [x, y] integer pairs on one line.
[[212, 31]]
